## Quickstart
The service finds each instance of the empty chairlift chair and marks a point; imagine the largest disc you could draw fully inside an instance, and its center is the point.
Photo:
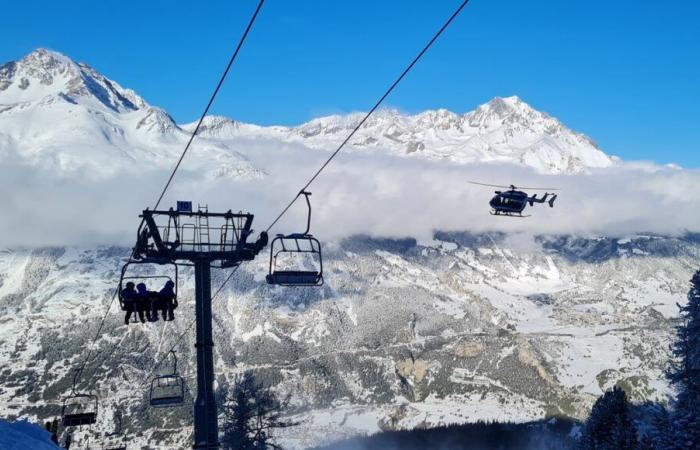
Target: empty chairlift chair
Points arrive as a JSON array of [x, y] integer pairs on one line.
[[168, 390], [116, 440], [296, 259], [78, 408]]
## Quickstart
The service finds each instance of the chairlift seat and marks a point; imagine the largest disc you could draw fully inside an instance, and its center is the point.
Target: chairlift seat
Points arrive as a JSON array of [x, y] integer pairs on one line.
[[76, 420], [295, 278], [166, 401]]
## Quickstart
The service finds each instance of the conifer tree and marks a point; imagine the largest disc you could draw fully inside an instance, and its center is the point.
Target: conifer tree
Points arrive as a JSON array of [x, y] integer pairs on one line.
[[251, 413], [610, 426], [685, 373]]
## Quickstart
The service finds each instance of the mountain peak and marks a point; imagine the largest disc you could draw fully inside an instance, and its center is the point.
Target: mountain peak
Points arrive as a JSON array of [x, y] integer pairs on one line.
[[48, 60], [500, 108], [46, 73]]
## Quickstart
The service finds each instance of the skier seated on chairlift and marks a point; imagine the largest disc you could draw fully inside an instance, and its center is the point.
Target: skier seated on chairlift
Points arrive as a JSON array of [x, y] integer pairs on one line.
[[130, 297], [165, 302], [144, 301]]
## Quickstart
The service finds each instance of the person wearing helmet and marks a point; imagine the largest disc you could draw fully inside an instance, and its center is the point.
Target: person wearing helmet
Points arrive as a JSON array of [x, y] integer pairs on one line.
[[144, 299], [129, 296], [166, 302]]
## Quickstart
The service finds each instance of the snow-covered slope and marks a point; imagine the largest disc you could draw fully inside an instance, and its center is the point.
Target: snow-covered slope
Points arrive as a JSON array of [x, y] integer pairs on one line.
[[67, 117], [403, 334]]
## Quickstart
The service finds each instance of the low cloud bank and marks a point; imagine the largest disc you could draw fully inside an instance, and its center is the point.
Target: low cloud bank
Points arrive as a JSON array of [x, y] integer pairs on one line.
[[359, 193]]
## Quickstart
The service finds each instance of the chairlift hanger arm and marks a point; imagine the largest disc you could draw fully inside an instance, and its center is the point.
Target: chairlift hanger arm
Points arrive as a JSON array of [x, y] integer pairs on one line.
[[306, 195]]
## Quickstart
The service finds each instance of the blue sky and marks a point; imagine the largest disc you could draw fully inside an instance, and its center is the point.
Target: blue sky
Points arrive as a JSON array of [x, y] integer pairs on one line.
[[626, 73]]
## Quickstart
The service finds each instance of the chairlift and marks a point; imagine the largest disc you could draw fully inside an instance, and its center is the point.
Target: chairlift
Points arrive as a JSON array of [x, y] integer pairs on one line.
[[287, 250], [116, 440], [79, 408], [168, 390], [126, 278]]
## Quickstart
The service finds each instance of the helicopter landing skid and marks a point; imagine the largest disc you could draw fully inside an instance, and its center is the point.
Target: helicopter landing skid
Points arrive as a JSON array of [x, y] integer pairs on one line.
[[505, 214]]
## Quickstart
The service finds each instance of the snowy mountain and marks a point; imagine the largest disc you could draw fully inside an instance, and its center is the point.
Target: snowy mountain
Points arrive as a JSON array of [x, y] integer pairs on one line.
[[462, 327], [504, 130], [404, 334], [65, 116]]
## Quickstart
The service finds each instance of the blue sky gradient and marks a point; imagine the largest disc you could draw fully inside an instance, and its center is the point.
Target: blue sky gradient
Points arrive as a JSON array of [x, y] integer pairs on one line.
[[624, 72]]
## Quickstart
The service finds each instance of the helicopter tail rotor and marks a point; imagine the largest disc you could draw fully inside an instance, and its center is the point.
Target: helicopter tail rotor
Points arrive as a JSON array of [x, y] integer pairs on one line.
[[551, 201]]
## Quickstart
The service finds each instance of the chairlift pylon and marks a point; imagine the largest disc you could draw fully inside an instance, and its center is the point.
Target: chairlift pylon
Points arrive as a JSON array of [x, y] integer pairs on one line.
[[168, 390], [79, 408], [293, 246]]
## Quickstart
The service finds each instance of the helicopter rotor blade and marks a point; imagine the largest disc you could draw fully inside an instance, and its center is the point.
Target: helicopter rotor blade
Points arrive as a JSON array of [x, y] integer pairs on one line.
[[513, 186], [489, 185], [539, 189]]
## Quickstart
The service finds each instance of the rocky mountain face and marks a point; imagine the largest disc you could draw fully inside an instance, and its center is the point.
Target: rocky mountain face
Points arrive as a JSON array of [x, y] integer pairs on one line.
[[403, 334], [67, 117]]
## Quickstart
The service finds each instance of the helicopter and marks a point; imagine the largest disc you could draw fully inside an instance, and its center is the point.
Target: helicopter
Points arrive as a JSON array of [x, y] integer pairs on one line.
[[512, 202]]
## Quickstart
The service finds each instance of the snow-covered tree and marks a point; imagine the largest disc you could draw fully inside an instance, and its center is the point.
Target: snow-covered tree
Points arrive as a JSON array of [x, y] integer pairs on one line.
[[685, 373], [251, 413], [610, 425]]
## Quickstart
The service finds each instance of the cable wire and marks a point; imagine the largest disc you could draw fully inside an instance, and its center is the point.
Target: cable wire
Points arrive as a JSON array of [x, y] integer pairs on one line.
[[211, 101], [374, 108], [79, 372]]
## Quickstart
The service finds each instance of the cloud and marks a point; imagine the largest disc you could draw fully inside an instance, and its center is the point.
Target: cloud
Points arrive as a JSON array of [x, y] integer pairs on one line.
[[365, 192]]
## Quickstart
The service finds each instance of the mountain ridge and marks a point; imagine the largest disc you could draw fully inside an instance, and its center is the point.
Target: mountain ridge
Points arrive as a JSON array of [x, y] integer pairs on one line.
[[504, 130]]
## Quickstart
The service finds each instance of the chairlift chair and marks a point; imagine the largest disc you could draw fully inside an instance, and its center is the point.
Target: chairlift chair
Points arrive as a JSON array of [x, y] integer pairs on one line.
[[295, 245], [125, 278], [79, 408], [118, 447], [115, 440], [169, 389]]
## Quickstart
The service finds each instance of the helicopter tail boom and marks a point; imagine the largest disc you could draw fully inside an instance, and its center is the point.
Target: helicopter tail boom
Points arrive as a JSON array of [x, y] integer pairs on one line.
[[532, 200]]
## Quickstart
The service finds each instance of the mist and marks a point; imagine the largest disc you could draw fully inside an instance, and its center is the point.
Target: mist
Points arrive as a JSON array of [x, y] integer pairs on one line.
[[360, 192]]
